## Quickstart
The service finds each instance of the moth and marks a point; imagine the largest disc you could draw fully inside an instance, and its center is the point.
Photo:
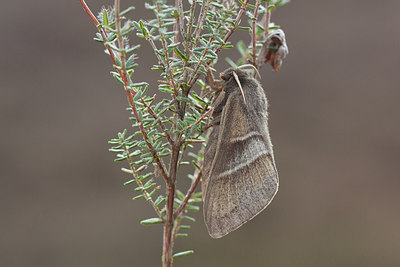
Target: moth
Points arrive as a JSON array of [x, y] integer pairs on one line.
[[239, 175]]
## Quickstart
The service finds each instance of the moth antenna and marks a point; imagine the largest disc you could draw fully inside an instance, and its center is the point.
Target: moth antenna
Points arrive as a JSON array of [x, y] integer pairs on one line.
[[240, 85], [251, 66]]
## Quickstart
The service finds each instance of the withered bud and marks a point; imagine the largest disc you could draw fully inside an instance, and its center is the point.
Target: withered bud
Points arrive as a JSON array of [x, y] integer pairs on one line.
[[274, 49]]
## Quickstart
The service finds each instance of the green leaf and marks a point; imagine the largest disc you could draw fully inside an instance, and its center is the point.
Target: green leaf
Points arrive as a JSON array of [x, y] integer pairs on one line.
[[281, 2], [129, 9], [243, 28], [149, 185], [217, 5], [193, 155], [135, 153], [241, 47], [275, 27], [159, 200], [137, 25], [129, 171], [114, 150], [230, 62], [132, 49], [120, 158], [189, 218], [105, 17], [146, 176], [111, 37], [250, 15], [130, 63], [151, 221], [196, 165], [137, 197], [137, 95], [175, 13], [182, 234], [198, 194], [251, 6], [117, 77], [141, 168], [183, 99], [154, 191], [143, 28], [180, 195], [151, 133], [227, 46], [183, 253], [180, 54], [114, 142], [99, 38], [129, 182], [192, 208]]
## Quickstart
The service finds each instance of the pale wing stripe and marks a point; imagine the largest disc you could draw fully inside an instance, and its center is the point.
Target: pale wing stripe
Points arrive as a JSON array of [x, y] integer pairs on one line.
[[245, 137], [252, 149], [244, 164]]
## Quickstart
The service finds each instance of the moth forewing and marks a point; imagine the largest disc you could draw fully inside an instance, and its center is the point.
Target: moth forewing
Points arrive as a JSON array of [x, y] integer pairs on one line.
[[240, 174]]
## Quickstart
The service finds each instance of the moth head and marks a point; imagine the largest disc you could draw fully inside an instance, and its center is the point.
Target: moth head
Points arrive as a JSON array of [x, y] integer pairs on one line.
[[240, 71], [238, 75]]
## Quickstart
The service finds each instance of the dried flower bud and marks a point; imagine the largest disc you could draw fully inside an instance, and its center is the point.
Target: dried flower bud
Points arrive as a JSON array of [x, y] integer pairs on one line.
[[274, 49]]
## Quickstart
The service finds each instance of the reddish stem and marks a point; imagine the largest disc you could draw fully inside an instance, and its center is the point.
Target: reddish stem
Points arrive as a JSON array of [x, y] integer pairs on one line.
[[189, 194], [130, 94], [254, 38], [237, 21]]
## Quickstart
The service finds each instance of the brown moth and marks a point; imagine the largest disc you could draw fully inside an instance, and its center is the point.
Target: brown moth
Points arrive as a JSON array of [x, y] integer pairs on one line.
[[240, 178]]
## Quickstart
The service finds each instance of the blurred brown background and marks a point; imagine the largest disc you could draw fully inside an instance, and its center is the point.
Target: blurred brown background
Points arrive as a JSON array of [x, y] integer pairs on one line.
[[334, 121]]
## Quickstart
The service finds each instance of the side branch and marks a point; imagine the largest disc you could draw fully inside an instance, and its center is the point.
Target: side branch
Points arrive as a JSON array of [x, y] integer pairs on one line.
[[130, 94], [164, 45], [197, 122], [237, 21], [146, 194], [189, 194], [219, 48], [254, 37], [160, 123], [120, 42], [200, 21], [101, 31]]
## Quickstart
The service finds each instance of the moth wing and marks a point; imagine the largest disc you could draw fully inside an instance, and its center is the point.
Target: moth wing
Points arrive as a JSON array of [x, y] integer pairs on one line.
[[242, 179], [211, 148]]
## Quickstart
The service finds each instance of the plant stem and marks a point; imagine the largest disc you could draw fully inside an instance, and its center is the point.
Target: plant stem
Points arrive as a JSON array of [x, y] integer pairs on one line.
[[193, 186], [254, 37], [265, 22], [176, 136], [168, 227], [237, 21]]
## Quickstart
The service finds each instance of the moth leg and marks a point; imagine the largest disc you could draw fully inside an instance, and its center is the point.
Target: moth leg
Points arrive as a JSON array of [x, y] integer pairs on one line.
[[214, 122], [217, 106], [219, 101], [216, 85]]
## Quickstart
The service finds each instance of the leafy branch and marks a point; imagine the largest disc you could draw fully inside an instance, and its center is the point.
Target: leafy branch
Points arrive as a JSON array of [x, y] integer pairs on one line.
[[169, 128]]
